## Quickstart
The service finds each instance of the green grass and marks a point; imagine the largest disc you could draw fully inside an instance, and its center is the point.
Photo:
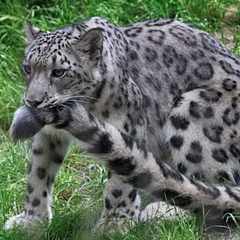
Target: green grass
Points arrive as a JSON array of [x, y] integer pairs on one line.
[[80, 183]]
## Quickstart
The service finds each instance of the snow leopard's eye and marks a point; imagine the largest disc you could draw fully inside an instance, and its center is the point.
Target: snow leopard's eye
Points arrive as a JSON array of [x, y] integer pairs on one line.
[[27, 69], [57, 73]]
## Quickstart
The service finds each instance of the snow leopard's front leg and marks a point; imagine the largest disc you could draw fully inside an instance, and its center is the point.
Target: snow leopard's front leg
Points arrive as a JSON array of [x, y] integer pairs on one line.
[[48, 151], [121, 206], [121, 200]]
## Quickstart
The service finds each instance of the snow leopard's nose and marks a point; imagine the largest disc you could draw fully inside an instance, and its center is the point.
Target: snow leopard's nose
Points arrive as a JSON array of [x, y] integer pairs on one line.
[[33, 102]]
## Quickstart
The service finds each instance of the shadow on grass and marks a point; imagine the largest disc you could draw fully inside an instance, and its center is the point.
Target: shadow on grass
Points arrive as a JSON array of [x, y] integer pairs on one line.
[[80, 225], [77, 226]]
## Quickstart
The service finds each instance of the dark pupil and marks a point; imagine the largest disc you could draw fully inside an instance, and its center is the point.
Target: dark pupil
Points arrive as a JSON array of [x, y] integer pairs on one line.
[[58, 72]]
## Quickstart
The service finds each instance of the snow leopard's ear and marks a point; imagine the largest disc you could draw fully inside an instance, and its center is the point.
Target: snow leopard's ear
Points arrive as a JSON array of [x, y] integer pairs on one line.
[[31, 32], [89, 42]]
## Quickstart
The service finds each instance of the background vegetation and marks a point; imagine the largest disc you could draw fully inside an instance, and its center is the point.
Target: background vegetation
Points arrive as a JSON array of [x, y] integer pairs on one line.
[[81, 181]]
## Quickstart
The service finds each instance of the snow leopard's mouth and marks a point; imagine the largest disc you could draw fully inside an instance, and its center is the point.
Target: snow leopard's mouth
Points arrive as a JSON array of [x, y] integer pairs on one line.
[[62, 101]]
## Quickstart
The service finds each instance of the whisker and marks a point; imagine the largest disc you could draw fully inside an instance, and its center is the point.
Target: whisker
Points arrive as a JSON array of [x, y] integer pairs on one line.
[[68, 99], [80, 96], [75, 98]]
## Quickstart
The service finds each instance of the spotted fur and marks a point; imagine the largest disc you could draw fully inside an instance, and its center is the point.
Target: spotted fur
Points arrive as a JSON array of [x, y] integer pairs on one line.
[[156, 101]]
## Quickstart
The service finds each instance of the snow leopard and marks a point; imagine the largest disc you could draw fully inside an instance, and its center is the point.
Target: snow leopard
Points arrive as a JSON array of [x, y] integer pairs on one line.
[[155, 101]]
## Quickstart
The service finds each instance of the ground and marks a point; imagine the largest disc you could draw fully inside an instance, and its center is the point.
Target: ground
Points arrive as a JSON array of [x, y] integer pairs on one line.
[[77, 198]]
